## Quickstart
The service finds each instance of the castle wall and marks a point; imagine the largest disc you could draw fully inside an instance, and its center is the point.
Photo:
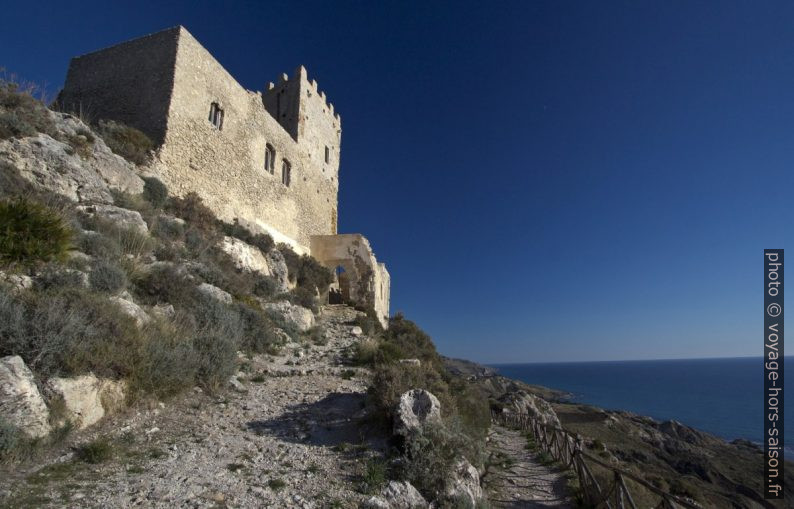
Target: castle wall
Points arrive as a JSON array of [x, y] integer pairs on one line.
[[366, 281], [130, 82], [226, 167]]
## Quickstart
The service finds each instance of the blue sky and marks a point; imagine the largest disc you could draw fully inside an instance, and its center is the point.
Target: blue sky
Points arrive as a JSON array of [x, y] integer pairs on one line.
[[546, 181]]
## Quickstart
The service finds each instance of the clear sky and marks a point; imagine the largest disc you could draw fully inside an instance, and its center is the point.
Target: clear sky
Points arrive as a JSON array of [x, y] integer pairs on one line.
[[545, 180]]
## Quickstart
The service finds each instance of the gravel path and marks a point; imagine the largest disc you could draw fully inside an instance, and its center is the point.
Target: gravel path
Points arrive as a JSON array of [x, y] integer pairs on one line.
[[515, 479], [291, 437]]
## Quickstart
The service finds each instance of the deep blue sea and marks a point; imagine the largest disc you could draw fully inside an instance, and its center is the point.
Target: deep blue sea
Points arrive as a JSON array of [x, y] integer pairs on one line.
[[721, 396]]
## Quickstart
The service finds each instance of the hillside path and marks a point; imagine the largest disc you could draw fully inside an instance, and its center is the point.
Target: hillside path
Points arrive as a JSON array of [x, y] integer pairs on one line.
[[290, 438], [515, 479]]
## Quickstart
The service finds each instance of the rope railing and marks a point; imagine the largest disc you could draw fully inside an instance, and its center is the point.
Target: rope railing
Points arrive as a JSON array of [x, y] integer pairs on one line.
[[567, 449]]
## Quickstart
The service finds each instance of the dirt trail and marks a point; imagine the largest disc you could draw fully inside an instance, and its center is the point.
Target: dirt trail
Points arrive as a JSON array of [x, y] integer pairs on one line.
[[290, 438], [515, 479]]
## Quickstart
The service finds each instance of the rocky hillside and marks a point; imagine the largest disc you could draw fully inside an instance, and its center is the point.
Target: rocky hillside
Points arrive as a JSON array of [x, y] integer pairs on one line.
[[672, 456], [153, 355]]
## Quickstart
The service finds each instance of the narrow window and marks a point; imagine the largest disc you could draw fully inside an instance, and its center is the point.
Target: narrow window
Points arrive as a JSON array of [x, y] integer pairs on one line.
[[286, 170], [216, 116], [270, 159], [327, 155]]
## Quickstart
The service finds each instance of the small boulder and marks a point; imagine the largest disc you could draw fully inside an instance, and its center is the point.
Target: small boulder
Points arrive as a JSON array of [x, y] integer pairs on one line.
[[16, 282], [123, 217], [133, 310], [523, 402], [87, 398], [416, 408], [21, 403], [464, 486], [245, 256], [398, 495], [215, 293], [411, 362], [236, 385], [298, 316], [356, 331]]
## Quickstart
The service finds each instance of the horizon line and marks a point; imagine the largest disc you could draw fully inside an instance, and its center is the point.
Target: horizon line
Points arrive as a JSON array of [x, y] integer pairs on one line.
[[495, 364]]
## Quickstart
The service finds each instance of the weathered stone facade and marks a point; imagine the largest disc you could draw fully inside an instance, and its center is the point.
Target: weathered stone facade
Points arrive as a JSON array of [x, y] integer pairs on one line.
[[269, 158], [360, 277]]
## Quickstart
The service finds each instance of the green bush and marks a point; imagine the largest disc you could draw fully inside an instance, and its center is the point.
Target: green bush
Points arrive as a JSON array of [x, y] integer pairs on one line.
[[432, 455], [98, 245], [303, 297], [390, 381], [168, 229], [191, 208], [374, 475], [264, 286], [306, 271], [168, 362], [96, 451], [53, 276], [68, 332], [155, 192], [21, 114], [165, 283], [260, 334], [106, 276], [11, 441], [128, 142], [31, 233], [262, 241]]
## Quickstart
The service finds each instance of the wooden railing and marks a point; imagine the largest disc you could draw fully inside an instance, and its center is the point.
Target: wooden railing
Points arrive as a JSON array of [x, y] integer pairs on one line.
[[567, 449]]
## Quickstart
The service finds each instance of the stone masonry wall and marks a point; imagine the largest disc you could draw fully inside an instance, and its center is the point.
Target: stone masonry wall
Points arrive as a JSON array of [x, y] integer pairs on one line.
[[130, 82], [368, 282], [226, 167]]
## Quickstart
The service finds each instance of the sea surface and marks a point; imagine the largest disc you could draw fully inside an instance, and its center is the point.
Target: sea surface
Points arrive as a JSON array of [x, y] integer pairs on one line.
[[721, 396]]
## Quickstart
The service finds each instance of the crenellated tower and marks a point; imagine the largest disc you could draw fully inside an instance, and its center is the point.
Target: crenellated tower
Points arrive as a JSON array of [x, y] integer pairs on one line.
[[303, 111]]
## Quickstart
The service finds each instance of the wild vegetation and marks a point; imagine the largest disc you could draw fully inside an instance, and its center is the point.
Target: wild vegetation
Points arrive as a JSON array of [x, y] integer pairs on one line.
[[68, 324]]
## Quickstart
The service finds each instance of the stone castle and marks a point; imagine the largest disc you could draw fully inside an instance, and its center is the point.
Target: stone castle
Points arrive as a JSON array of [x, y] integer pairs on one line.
[[268, 159]]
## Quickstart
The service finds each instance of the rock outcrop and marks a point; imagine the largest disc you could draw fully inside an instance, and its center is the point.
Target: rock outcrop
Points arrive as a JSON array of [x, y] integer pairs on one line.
[[56, 166], [214, 292], [123, 218], [397, 495], [21, 403], [416, 408], [523, 402], [299, 316], [464, 486], [87, 399], [246, 257]]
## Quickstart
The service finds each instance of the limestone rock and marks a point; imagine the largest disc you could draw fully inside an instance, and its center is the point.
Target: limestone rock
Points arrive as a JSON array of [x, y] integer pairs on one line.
[[356, 331], [17, 282], [235, 384], [299, 316], [397, 495], [278, 269], [525, 403], [87, 398], [163, 310], [122, 217], [411, 362], [21, 403], [464, 486], [416, 408], [133, 310], [245, 256], [55, 166], [215, 293]]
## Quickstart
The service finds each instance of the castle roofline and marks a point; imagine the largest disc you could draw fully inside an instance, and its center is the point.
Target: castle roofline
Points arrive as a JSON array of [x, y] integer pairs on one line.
[[176, 28]]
